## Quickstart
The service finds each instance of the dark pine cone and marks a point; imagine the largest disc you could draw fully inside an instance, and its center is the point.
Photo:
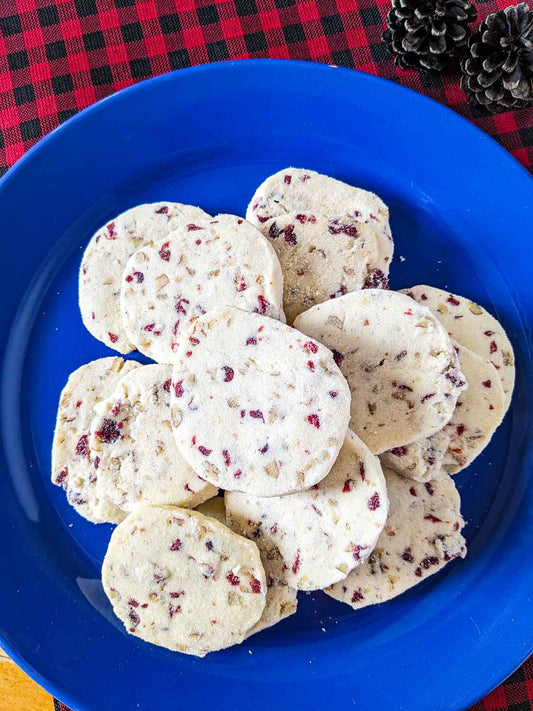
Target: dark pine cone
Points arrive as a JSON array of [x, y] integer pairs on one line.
[[428, 34], [498, 70]]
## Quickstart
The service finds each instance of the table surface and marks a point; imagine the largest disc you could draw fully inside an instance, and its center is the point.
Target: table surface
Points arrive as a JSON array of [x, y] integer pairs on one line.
[[59, 56]]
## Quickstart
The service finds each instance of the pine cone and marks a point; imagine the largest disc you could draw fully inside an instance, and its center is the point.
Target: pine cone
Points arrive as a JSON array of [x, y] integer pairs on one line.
[[428, 34], [498, 70]]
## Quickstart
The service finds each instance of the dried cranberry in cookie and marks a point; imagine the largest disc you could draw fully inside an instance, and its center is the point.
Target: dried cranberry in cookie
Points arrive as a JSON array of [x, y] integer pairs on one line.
[[132, 436], [478, 413], [422, 535], [402, 369], [256, 405], [223, 261], [313, 538], [74, 466], [106, 255], [473, 327], [183, 581], [323, 257]]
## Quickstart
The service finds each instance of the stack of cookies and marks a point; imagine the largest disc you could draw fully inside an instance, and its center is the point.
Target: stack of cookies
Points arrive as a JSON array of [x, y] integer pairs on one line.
[[330, 411]]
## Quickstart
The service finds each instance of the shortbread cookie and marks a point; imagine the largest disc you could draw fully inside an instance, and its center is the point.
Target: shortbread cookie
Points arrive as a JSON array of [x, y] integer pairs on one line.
[[257, 406], [402, 369], [223, 261], [299, 191], [281, 601], [73, 468], [478, 413], [106, 255], [323, 257], [139, 460], [183, 581], [422, 534], [313, 538], [473, 327]]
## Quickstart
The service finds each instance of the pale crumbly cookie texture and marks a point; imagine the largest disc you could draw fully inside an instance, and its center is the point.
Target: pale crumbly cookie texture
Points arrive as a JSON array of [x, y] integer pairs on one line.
[[220, 261], [132, 436], [472, 326], [256, 405], [401, 366], [301, 191], [105, 258], [183, 581], [281, 601], [324, 257], [73, 466], [477, 415], [313, 538], [422, 535]]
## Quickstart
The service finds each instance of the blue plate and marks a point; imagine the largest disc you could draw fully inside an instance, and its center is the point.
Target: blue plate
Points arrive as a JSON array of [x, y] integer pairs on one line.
[[462, 212]]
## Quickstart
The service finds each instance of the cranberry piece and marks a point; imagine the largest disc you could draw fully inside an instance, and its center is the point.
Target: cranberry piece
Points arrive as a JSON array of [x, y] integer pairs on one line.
[[287, 179], [179, 305], [238, 474], [373, 501], [257, 414], [357, 596], [290, 237], [401, 355], [232, 578], [362, 471], [348, 485], [242, 286], [399, 451], [296, 565], [227, 458], [451, 375], [412, 491], [112, 337], [460, 429], [406, 555], [453, 301], [263, 305], [206, 452], [109, 432], [255, 585], [376, 280], [357, 550], [96, 462], [133, 602], [418, 572], [314, 420], [333, 394], [178, 388], [166, 385], [429, 561], [486, 383], [243, 413], [61, 477], [251, 341], [433, 519], [164, 252], [173, 610], [82, 448], [194, 341], [209, 545], [264, 449], [489, 333], [311, 365], [274, 231], [336, 228], [111, 232], [341, 291], [337, 357], [311, 346], [134, 619], [162, 210], [175, 545], [192, 228], [429, 488], [228, 373], [493, 347]]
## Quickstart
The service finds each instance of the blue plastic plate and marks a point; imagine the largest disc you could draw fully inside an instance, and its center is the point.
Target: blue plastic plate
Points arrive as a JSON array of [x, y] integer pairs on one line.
[[462, 216]]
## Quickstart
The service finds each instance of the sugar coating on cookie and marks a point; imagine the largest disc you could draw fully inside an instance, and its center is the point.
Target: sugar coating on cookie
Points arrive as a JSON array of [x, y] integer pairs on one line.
[[313, 538], [132, 436], [324, 257], [105, 258], [183, 581], [473, 327], [422, 535], [477, 415], [281, 601], [257, 406], [220, 261], [73, 466], [402, 369]]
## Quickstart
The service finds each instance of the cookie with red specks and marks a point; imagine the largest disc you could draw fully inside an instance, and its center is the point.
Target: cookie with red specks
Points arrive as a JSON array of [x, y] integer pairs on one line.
[[132, 436], [314, 538], [106, 255], [281, 601], [422, 535], [473, 327], [299, 191], [183, 581], [257, 406], [323, 257], [220, 261], [73, 465], [403, 371], [477, 415]]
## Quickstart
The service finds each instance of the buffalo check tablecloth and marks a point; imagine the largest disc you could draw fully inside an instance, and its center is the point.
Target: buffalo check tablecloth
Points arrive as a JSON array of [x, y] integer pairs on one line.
[[59, 56]]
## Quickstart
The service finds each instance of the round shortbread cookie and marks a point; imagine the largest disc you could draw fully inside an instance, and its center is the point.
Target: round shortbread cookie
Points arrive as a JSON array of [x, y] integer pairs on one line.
[[322, 258], [106, 255], [139, 460], [402, 369], [281, 601], [300, 191], [223, 261], [183, 581], [473, 327], [478, 413], [256, 406], [313, 538], [73, 467], [422, 534]]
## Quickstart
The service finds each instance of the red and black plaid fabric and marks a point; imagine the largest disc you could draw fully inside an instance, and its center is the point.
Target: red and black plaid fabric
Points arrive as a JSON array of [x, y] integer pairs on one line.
[[58, 56]]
